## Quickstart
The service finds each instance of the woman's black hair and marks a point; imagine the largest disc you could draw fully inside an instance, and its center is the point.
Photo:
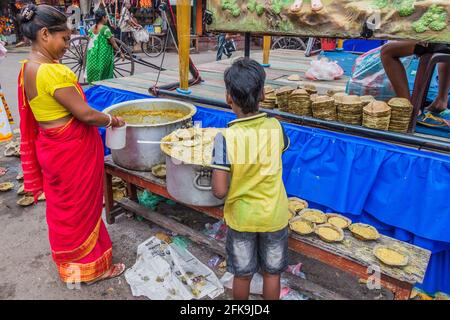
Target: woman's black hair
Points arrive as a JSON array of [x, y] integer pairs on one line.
[[33, 18], [99, 15]]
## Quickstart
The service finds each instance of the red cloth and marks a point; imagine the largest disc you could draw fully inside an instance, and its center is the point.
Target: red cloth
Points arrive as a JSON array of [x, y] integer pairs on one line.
[[32, 175], [67, 163]]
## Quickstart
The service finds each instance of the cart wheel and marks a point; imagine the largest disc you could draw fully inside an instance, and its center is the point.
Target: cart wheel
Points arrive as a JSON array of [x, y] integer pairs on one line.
[[153, 48], [126, 67], [292, 43], [75, 57]]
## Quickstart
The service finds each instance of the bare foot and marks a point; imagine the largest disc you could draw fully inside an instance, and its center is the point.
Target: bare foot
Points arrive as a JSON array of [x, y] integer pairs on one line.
[[115, 271], [296, 6], [316, 5], [437, 106]]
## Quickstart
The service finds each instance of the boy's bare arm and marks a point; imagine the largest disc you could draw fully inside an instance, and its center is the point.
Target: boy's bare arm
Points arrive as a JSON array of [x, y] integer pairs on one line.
[[220, 183]]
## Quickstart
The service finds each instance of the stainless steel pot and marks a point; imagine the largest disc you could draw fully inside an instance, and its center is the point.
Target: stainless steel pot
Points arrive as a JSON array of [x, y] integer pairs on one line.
[[143, 156], [190, 184]]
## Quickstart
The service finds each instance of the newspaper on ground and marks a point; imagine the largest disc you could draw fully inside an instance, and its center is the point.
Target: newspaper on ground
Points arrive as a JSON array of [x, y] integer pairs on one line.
[[166, 272]]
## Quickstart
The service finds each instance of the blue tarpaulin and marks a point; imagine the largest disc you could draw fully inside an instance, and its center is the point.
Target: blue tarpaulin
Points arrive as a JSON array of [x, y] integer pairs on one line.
[[401, 191]]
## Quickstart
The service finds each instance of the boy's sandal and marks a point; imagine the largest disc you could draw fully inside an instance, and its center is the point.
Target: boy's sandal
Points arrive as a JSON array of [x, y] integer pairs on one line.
[[115, 271]]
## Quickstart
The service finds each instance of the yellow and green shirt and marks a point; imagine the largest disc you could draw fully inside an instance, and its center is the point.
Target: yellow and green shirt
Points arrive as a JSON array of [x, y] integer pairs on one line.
[[251, 150]]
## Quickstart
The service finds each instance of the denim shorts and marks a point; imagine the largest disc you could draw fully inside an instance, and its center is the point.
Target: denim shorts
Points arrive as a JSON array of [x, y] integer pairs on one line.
[[250, 252]]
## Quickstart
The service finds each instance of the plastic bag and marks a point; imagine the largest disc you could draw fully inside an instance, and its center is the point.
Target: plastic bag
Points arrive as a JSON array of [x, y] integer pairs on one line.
[[141, 35], [369, 77], [324, 69]]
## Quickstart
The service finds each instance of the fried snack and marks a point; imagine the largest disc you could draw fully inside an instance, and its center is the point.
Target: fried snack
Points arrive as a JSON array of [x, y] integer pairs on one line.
[[401, 111], [323, 108], [390, 256], [310, 88], [364, 231], [313, 215], [270, 98], [377, 115], [283, 94], [197, 148], [294, 77], [299, 103]]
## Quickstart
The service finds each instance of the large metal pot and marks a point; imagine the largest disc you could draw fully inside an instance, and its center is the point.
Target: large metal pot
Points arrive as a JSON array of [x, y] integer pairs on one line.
[[143, 156], [190, 184]]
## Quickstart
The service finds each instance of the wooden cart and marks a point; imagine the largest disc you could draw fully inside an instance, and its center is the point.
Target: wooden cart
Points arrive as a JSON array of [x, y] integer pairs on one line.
[[351, 255]]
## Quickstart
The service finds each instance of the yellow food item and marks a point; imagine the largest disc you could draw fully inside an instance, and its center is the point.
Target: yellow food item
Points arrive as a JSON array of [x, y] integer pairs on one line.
[[338, 222], [290, 215], [159, 171], [302, 227], [315, 216], [25, 201], [141, 116], [390, 257], [366, 232], [163, 237], [328, 233], [6, 186], [296, 205], [193, 146]]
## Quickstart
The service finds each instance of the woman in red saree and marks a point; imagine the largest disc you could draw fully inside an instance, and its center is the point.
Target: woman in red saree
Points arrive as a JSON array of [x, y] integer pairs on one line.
[[62, 152]]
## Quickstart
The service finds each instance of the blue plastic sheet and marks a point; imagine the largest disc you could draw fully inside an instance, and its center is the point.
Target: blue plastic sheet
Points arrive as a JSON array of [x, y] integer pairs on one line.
[[401, 191]]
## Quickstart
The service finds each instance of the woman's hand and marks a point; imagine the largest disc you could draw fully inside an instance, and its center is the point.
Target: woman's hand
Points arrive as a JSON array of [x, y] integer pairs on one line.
[[117, 122]]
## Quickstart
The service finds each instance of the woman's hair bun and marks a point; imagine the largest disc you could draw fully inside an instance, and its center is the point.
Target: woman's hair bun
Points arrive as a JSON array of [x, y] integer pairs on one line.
[[28, 12]]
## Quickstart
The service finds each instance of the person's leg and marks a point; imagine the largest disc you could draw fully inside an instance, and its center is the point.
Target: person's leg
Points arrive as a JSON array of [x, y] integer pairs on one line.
[[271, 287], [390, 56], [273, 252], [441, 102], [242, 260], [241, 287]]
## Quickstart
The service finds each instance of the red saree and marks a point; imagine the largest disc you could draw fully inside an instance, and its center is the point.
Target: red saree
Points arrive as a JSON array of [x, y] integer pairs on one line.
[[67, 164]]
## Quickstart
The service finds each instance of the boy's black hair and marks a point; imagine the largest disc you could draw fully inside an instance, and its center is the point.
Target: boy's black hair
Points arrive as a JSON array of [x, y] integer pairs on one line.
[[33, 18], [244, 82]]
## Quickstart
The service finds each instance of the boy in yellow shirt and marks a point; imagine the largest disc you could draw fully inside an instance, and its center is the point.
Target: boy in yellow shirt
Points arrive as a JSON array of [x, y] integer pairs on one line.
[[248, 171]]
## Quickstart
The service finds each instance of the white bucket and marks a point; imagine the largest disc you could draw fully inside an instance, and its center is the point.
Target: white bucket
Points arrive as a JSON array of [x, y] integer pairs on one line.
[[116, 137]]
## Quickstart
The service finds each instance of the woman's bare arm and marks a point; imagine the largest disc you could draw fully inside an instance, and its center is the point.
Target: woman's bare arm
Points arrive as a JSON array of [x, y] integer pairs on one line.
[[113, 42], [72, 101]]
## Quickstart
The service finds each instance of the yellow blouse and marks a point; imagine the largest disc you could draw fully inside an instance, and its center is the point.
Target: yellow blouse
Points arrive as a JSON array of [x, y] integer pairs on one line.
[[49, 78]]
